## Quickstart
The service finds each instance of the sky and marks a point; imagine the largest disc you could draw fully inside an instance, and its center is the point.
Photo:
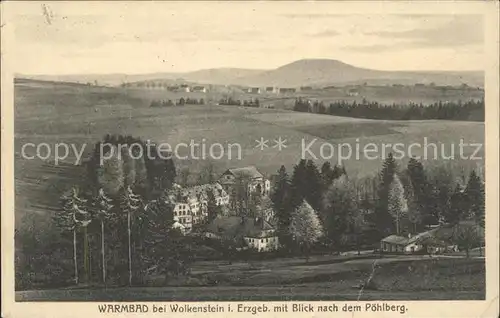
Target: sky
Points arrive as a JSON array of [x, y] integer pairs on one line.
[[100, 37]]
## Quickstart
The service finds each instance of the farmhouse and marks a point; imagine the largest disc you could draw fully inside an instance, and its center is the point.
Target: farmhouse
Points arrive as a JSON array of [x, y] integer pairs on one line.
[[287, 90], [352, 92], [182, 88], [249, 176], [271, 90], [199, 89], [393, 244], [255, 233], [422, 242]]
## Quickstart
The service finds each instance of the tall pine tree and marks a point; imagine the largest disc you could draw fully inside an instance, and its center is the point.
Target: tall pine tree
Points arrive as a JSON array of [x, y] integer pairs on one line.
[[397, 205], [102, 209], [281, 197], [383, 219], [130, 204], [475, 196]]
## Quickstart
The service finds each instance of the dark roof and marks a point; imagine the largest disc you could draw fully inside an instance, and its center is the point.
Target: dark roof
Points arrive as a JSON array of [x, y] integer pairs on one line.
[[245, 172], [395, 239], [237, 227]]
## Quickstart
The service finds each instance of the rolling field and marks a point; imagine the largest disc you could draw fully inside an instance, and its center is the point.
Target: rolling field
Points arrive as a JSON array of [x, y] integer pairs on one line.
[[81, 115]]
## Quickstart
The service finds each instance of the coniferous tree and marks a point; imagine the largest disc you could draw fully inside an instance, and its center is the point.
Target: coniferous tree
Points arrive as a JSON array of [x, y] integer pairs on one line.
[[72, 217], [414, 212], [313, 186], [397, 204], [130, 204], [102, 209], [281, 203], [458, 204], [383, 220], [420, 191], [326, 174], [298, 188], [475, 196]]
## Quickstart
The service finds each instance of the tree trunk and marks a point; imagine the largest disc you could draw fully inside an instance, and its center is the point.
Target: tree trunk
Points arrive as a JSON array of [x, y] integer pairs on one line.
[[129, 252], [397, 224], [103, 254], [74, 256], [467, 252], [86, 254]]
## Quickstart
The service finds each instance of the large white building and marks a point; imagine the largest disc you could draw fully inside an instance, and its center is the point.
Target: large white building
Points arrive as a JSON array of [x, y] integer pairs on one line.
[[190, 204]]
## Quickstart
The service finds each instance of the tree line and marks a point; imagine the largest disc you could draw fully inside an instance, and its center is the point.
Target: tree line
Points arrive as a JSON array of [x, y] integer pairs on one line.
[[181, 102], [468, 110], [237, 102], [353, 213]]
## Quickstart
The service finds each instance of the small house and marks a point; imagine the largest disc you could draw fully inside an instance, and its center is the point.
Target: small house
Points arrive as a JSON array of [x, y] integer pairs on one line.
[[287, 90], [271, 90], [352, 92], [254, 90], [254, 233], [199, 89], [393, 244]]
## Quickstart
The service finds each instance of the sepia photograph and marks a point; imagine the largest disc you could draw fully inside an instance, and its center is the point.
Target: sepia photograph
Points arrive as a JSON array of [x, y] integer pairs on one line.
[[193, 152]]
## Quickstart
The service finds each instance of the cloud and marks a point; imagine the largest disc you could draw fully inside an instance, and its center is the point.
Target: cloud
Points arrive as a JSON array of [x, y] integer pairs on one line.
[[460, 30]]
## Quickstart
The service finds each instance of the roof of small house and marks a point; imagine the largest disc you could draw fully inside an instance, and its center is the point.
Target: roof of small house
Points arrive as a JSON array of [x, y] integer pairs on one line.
[[395, 239], [245, 172], [237, 227]]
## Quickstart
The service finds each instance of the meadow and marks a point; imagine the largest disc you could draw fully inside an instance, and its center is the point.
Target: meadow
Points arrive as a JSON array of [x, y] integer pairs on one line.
[[395, 278], [53, 113]]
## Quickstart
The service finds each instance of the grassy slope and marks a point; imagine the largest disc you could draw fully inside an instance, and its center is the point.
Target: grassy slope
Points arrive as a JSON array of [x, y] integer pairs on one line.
[[69, 113]]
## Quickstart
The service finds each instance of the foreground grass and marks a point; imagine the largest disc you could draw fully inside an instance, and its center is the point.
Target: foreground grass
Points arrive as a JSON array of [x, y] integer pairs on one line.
[[409, 278]]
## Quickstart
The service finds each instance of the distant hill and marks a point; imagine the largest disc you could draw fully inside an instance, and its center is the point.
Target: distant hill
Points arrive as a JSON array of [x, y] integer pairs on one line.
[[323, 72], [306, 72]]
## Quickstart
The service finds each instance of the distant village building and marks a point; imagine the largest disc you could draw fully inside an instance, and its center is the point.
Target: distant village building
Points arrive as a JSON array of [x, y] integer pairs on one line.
[[352, 92], [250, 176], [255, 233], [184, 88], [253, 90], [305, 88], [272, 90], [287, 90], [199, 89]]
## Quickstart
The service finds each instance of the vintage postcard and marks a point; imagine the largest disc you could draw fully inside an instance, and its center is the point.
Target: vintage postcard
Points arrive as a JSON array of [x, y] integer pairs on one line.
[[250, 159]]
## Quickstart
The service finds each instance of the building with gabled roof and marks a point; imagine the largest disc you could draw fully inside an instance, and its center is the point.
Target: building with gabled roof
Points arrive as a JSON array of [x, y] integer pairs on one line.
[[248, 176], [255, 233]]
